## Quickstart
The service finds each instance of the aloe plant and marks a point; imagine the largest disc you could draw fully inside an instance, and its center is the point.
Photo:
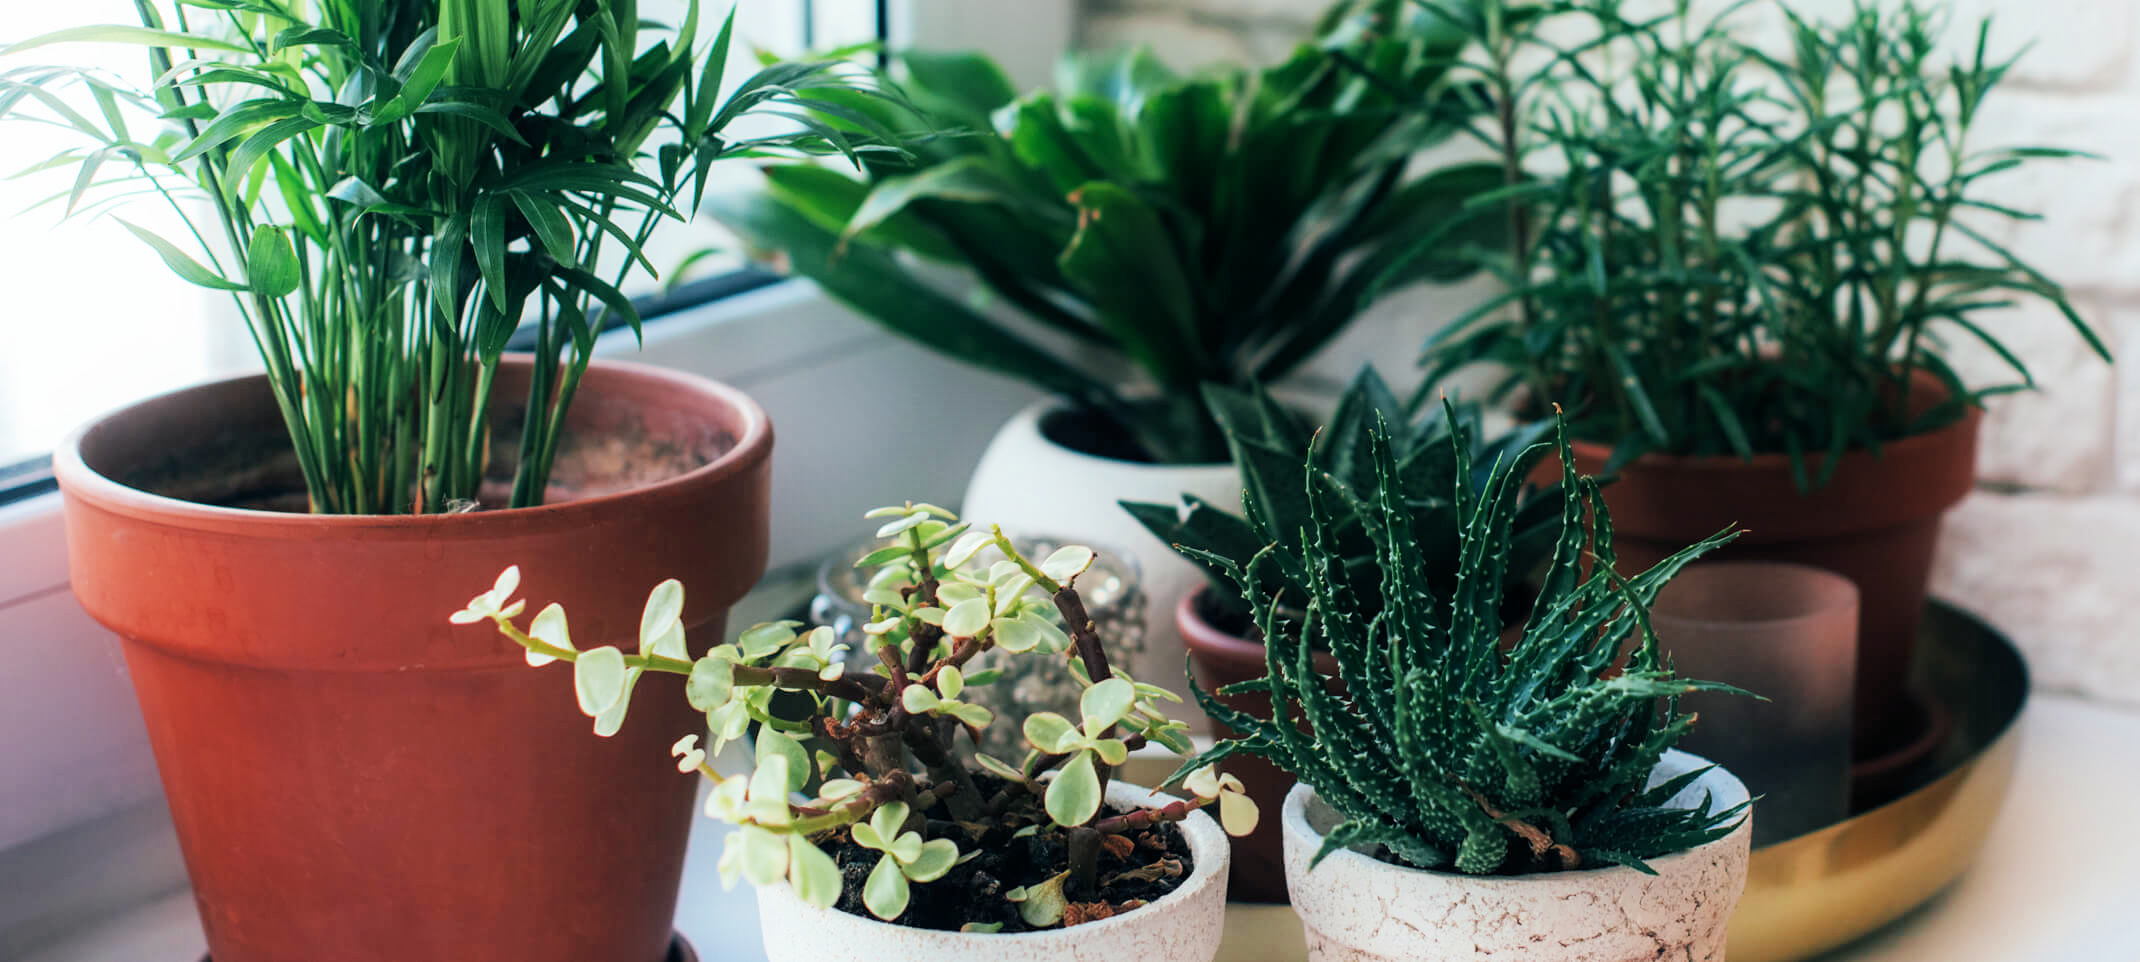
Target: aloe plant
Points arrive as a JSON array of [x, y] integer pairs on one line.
[[397, 185], [1718, 250], [1269, 446], [1443, 749], [1153, 233], [875, 758]]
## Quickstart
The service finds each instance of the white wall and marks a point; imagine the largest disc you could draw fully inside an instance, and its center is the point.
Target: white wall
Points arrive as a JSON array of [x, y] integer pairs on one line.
[[2044, 549]]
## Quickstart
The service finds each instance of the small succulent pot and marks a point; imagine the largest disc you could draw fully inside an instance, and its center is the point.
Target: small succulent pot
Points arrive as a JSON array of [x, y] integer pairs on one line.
[[1357, 908], [1184, 926]]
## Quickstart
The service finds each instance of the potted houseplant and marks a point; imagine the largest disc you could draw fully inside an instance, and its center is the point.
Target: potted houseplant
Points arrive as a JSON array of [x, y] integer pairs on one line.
[[1148, 233], [1270, 448], [1736, 273], [391, 188], [868, 823], [1463, 797]]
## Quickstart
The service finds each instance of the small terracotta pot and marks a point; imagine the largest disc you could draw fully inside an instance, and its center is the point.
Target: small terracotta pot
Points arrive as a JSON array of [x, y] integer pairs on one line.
[[1219, 659], [1184, 926], [354, 779], [1875, 522], [1355, 908]]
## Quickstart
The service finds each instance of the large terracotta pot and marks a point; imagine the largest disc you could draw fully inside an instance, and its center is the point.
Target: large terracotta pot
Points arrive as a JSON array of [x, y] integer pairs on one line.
[[1037, 486], [1219, 658], [1875, 522], [1357, 908], [1185, 925], [354, 779]]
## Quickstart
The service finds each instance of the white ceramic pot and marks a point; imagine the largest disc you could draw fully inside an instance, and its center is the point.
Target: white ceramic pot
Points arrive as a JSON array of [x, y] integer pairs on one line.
[[1185, 926], [1036, 488], [1356, 908]]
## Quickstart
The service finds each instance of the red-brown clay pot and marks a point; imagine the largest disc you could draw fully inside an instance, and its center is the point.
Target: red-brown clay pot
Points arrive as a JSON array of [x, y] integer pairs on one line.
[[353, 778], [1876, 522], [1220, 658]]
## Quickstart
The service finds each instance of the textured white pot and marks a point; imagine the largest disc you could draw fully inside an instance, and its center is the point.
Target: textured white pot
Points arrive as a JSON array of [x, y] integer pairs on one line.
[[1359, 909], [1036, 488], [1182, 927]]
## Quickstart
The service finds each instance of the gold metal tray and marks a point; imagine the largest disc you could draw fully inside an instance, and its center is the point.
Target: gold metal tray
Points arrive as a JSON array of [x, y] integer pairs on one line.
[[1826, 888]]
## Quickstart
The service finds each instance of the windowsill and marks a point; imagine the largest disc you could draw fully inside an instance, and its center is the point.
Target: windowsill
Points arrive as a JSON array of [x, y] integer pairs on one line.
[[2033, 894]]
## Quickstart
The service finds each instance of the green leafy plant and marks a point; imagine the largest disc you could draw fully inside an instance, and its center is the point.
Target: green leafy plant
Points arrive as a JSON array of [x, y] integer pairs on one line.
[[396, 185], [1444, 749], [875, 757], [1269, 446], [1714, 250], [1152, 232]]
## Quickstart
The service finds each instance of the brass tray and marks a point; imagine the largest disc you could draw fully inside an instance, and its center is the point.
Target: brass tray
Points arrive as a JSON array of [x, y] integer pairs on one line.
[[1824, 889]]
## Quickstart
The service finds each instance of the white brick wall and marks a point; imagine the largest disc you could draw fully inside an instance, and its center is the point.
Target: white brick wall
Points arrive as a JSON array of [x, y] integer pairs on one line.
[[2047, 550]]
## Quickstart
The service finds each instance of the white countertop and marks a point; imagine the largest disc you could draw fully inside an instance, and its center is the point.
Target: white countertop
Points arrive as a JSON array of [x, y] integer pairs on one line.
[[2055, 882]]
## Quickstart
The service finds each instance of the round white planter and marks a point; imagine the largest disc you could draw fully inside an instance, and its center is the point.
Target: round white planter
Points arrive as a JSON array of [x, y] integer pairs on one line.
[[1182, 927], [1036, 488], [1355, 908]]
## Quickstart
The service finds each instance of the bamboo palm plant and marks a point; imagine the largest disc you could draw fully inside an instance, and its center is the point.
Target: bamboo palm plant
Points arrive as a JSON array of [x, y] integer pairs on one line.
[[1150, 232], [396, 186], [1718, 250]]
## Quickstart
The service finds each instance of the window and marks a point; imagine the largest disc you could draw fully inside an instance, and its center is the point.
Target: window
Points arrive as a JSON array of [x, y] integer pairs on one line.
[[95, 320]]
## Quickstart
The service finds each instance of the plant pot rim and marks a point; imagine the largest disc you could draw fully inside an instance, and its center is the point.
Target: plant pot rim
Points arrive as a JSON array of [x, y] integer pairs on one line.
[[1728, 462], [1028, 418], [1725, 787], [1208, 640], [1208, 847], [753, 444]]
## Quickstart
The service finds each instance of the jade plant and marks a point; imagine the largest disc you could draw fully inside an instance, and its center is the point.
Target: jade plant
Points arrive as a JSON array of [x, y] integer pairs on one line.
[[1714, 249], [872, 765], [1150, 232], [389, 190], [1436, 743], [1269, 445]]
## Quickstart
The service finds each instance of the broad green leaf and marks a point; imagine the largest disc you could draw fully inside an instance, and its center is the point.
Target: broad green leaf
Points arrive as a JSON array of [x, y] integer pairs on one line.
[[598, 677], [918, 699], [1123, 259], [765, 855], [1067, 562], [271, 263], [611, 720], [814, 874], [951, 681], [885, 892], [764, 639], [772, 743], [971, 179], [1051, 733], [711, 681], [187, 269], [967, 618], [549, 628], [1104, 704], [1015, 635], [979, 716], [888, 818], [1074, 794], [934, 858], [1113, 751], [664, 607], [968, 81]]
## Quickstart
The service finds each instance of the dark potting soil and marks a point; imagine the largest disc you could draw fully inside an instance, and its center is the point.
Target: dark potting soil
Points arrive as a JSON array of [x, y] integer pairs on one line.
[[257, 470], [1090, 432], [1137, 870]]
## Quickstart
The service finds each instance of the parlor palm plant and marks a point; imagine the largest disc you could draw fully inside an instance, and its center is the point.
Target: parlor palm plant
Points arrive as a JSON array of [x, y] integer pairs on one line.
[[1151, 233], [396, 187]]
